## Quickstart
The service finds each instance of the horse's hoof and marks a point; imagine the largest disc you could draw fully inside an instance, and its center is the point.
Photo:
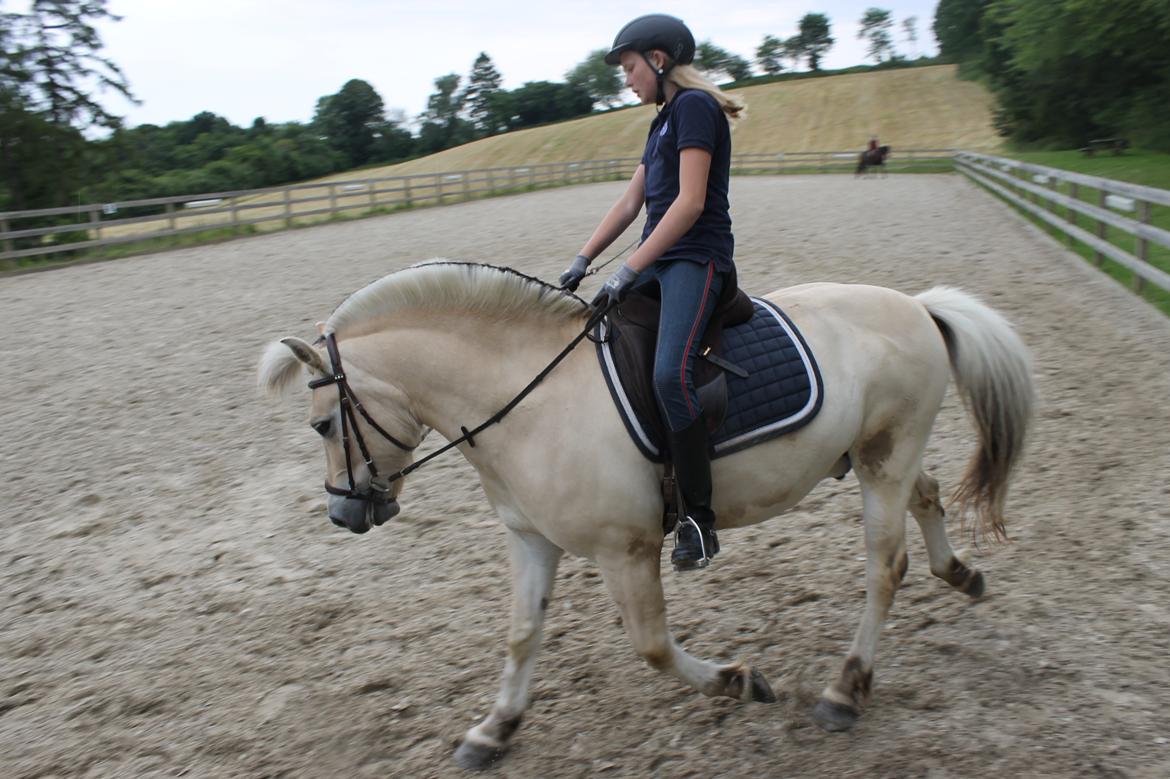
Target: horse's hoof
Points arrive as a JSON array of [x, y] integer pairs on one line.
[[835, 717], [975, 585], [477, 757], [761, 690]]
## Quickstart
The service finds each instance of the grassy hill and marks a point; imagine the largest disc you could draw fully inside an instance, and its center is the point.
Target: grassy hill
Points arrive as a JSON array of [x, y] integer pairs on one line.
[[912, 108]]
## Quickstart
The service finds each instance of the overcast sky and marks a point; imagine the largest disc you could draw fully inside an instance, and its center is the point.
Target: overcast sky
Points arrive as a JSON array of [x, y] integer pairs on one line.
[[273, 58]]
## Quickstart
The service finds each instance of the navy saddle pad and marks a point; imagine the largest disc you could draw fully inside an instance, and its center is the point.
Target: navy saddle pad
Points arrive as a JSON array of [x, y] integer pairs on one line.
[[781, 393]]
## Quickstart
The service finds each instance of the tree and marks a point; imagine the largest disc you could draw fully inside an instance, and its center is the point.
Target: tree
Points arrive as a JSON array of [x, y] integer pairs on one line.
[[715, 61], [815, 39], [482, 83], [1065, 71], [539, 102], [957, 29], [875, 26], [769, 54], [350, 120], [597, 79], [50, 62], [794, 50], [910, 31], [442, 126]]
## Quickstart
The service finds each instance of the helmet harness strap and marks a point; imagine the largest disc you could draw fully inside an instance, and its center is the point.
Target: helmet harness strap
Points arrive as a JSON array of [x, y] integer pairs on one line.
[[660, 96]]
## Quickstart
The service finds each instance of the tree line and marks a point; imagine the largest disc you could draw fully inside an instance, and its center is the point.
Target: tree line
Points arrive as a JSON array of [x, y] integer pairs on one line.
[[1066, 71], [51, 56]]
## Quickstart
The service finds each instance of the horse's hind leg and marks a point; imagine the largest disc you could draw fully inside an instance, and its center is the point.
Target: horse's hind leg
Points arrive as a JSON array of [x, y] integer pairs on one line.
[[534, 565], [633, 579], [885, 565], [944, 563]]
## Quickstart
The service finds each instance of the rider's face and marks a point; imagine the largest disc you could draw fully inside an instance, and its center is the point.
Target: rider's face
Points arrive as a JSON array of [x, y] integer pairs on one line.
[[640, 78]]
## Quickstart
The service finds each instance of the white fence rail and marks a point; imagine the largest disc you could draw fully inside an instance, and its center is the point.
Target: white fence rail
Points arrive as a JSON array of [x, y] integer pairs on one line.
[[25, 234], [1034, 189]]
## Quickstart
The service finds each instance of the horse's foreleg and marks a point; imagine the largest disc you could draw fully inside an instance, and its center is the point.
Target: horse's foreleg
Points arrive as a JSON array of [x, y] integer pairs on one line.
[[885, 566], [534, 565], [633, 579], [944, 563]]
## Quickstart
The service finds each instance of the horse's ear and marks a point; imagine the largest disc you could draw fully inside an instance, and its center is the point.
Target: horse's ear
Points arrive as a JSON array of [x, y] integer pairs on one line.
[[306, 354], [320, 328]]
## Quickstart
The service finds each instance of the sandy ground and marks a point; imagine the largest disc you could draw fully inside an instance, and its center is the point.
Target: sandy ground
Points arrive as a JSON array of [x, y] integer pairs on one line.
[[175, 602]]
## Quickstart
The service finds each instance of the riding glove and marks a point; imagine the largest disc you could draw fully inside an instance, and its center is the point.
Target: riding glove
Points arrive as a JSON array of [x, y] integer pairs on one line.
[[614, 291], [571, 278]]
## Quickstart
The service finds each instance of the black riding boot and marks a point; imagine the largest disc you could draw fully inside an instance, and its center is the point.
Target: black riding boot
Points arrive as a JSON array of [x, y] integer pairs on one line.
[[694, 539]]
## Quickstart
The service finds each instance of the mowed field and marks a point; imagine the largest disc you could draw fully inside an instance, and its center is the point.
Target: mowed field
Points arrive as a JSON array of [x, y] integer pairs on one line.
[[915, 108]]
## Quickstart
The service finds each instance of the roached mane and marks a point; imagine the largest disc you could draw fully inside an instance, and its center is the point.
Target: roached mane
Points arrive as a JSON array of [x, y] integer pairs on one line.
[[466, 286]]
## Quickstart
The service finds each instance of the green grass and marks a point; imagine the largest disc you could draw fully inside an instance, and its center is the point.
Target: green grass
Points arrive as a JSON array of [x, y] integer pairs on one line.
[[1136, 166]]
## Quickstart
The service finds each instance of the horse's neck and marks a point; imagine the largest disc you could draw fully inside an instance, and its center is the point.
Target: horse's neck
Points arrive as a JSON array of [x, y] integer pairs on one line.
[[457, 368]]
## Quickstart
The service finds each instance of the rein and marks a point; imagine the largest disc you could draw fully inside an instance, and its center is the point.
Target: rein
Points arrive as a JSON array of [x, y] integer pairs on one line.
[[349, 402]]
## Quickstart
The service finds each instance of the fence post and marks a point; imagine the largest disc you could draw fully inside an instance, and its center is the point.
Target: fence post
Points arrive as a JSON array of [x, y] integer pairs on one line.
[[491, 181], [406, 192], [287, 208], [7, 241], [332, 200], [439, 188], [1098, 257], [1073, 192], [1143, 246], [95, 222], [466, 186], [370, 187], [235, 212]]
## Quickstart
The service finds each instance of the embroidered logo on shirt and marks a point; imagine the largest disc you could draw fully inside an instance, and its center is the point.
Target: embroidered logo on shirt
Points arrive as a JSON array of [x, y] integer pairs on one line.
[[665, 127]]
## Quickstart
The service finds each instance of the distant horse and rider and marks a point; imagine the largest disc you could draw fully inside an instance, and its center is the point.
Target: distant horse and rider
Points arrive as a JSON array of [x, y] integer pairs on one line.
[[873, 157]]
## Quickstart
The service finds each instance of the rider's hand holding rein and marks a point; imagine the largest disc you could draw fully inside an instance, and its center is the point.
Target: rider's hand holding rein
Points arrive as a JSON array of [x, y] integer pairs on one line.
[[571, 278]]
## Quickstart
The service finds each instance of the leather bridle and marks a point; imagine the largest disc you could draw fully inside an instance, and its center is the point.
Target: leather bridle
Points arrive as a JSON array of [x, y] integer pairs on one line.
[[374, 493]]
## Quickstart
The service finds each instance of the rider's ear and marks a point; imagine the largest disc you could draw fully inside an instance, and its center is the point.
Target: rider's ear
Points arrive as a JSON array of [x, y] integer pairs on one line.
[[306, 354]]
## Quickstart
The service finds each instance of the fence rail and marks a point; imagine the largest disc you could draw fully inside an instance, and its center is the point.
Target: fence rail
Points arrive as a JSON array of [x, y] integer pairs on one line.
[[25, 234], [1034, 188]]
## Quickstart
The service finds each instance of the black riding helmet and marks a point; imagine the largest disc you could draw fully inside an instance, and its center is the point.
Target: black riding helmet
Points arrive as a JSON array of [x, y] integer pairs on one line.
[[655, 31]]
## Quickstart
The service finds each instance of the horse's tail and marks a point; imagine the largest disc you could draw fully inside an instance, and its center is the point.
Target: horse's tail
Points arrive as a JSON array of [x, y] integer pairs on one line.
[[993, 370]]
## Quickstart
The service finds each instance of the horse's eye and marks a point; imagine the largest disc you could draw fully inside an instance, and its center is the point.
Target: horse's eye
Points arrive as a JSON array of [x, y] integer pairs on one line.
[[322, 425]]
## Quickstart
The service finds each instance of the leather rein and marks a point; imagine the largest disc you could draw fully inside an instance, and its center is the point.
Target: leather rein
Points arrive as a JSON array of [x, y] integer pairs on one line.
[[350, 407]]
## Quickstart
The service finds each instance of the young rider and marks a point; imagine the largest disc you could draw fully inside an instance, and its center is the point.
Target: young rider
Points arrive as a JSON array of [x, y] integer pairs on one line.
[[686, 248]]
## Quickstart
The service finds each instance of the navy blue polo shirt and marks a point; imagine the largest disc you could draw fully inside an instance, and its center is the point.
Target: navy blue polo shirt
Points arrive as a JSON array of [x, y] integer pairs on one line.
[[692, 120]]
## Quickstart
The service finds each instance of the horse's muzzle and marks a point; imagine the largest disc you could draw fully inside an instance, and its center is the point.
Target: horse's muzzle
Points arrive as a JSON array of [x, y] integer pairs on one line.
[[359, 514]]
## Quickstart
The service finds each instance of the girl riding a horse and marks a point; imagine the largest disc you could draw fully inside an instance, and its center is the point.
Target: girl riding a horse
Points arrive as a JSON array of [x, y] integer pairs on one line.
[[686, 248]]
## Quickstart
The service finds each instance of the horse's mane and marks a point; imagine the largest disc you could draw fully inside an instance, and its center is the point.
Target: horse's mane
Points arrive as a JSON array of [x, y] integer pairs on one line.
[[465, 286]]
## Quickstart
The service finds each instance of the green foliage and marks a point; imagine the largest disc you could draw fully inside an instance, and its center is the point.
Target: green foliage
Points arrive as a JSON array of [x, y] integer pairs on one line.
[[352, 121], [538, 102], [482, 84], [597, 79], [717, 62], [769, 54], [1067, 71], [875, 27], [815, 39], [957, 29]]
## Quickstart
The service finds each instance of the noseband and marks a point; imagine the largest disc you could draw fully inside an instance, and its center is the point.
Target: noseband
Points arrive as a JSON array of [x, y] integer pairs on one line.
[[376, 494]]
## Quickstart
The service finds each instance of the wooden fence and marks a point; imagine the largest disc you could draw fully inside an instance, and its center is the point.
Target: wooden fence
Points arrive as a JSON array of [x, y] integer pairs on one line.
[[50, 232], [1037, 190]]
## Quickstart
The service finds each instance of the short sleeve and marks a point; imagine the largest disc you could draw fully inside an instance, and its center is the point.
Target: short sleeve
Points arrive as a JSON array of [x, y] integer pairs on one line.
[[697, 121]]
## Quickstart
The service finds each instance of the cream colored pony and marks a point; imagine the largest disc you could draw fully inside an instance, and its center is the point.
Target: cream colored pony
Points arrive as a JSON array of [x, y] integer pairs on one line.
[[447, 345]]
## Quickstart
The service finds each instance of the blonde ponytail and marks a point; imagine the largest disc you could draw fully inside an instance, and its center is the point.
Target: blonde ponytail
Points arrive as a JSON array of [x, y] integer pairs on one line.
[[689, 77]]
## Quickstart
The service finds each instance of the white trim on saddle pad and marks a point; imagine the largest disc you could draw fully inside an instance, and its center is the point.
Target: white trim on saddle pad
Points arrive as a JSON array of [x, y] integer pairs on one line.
[[742, 440]]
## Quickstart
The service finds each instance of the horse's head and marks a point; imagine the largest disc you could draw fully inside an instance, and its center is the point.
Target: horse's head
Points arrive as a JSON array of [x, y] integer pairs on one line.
[[364, 423]]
